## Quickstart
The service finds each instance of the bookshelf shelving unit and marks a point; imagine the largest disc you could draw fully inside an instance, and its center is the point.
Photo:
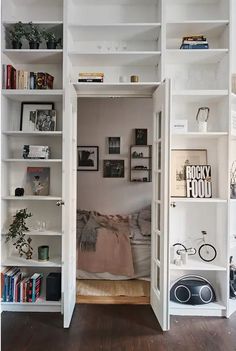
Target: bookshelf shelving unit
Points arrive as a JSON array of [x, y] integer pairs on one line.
[[123, 38]]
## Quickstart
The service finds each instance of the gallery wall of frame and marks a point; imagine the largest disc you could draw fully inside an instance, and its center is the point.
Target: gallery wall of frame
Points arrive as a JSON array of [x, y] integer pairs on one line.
[[144, 43]]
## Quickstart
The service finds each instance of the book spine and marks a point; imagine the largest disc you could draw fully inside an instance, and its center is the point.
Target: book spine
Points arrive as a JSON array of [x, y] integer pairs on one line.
[[25, 80], [192, 47], [3, 76], [8, 76], [90, 80], [194, 42], [32, 86]]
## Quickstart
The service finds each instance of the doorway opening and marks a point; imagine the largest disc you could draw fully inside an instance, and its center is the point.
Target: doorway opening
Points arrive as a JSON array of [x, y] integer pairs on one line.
[[114, 186]]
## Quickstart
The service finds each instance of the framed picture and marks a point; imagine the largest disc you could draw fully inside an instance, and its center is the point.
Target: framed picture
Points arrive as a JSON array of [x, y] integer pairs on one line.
[[88, 158], [113, 168], [45, 120], [114, 145], [179, 160], [141, 136], [29, 114]]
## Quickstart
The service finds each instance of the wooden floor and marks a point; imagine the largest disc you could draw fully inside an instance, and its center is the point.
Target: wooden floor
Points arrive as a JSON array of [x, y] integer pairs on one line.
[[115, 328], [113, 292]]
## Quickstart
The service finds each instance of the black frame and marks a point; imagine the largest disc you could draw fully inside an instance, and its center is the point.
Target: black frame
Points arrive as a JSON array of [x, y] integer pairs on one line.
[[33, 103], [97, 153], [144, 139], [113, 161]]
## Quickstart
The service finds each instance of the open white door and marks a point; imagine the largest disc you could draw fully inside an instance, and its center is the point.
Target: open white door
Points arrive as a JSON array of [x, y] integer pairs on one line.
[[160, 206], [69, 176]]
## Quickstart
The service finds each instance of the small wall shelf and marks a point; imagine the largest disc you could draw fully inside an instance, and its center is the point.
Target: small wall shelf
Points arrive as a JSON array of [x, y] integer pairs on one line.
[[141, 166]]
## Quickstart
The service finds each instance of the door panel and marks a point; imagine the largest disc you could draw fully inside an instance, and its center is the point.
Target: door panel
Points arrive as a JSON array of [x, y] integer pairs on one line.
[[160, 206], [69, 208]]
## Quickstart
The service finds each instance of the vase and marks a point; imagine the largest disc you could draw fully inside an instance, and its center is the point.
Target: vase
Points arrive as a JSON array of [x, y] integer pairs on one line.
[[51, 45], [16, 44], [33, 45], [233, 191], [43, 253]]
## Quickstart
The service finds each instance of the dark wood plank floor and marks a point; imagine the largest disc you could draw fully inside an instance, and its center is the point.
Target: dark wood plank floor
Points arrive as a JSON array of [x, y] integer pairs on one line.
[[115, 328]]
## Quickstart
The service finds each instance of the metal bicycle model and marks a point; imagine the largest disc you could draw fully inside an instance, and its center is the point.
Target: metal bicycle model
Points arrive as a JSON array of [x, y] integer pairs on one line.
[[206, 252]]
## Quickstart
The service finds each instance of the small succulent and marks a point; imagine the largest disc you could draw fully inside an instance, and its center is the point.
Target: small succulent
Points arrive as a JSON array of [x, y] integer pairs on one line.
[[33, 33], [17, 32]]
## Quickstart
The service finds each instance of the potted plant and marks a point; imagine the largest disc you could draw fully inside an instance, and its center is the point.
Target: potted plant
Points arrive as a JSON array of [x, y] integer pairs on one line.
[[33, 35], [51, 39], [17, 234], [15, 34]]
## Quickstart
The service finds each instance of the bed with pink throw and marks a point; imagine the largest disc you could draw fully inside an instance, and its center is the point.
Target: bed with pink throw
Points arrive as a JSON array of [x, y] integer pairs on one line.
[[112, 246]]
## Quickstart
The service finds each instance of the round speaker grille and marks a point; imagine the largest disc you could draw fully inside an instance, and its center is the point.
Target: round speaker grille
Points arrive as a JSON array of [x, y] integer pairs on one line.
[[182, 293], [205, 294]]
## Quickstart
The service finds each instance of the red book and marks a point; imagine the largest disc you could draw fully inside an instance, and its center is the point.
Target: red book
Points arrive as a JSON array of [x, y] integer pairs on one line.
[[9, 67]]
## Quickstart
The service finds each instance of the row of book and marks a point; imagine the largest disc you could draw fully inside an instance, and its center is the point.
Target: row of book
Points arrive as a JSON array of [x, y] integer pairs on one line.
[[20, 79], [91, 77], [194, 42], [16, 287]]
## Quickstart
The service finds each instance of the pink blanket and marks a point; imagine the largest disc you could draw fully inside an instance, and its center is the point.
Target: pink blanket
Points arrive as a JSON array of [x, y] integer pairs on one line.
[[113, 250]]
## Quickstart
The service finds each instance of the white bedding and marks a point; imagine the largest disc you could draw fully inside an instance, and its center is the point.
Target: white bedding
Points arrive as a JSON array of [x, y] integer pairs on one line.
[[141, 259]]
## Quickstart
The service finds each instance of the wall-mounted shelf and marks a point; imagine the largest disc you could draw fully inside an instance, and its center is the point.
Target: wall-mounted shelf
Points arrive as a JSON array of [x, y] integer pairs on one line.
[[22, 262], [40, 56], [32, 95], [31, 198], [124, 58], [208, 135], [205, 56]]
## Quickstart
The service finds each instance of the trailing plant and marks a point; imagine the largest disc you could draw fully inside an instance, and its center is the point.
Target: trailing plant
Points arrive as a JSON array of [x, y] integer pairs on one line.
[[33, 33], [17, 234]]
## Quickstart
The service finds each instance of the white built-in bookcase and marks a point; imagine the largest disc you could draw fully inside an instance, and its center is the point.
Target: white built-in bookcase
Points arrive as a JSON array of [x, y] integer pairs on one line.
[[123, 38]]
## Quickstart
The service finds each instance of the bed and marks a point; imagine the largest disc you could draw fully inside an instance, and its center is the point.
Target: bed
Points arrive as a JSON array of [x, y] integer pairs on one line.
[[113, 247]]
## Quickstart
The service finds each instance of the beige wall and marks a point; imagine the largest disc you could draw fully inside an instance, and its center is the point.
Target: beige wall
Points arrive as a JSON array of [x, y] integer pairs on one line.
[[99, 118]]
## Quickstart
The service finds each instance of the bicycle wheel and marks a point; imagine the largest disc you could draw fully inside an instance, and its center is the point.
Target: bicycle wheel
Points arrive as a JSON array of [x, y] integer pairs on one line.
[[207, 252], [179, 247]]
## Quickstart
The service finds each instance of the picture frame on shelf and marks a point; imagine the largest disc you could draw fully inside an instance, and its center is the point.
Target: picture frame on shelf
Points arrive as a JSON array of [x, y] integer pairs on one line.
[[38, 181], [29, 114], [45, 120], [113, 169], [114, 144], [180, 158], [88, 158], [141, 136]]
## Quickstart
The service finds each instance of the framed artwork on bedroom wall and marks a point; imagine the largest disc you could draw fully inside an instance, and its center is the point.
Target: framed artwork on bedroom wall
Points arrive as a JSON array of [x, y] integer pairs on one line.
[[114, 145], [113, 168], [141, 136], [88, 158], [180, 158]]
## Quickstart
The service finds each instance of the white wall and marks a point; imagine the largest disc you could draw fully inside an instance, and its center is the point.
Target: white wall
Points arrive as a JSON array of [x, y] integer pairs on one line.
[[234, 35], [99, 118]]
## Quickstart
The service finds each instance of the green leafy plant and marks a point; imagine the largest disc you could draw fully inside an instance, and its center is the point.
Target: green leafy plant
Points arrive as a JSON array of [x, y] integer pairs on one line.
[[16, 33], [17, 234], [33, 33], [51, 38]]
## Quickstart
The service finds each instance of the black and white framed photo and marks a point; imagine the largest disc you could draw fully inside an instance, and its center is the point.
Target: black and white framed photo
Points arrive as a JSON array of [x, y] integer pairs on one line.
[[113, 168], [180, 159], [45, 121], [114, 145], [141, 136], [88, 158], [29, 114]]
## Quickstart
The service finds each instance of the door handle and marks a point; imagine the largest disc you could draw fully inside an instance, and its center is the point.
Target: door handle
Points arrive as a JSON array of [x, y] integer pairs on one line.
[[60, 203]]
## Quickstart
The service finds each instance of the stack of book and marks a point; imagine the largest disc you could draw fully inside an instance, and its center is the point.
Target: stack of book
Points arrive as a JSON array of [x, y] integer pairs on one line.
[[91, 77], [16, 287], [194, 42], [20, 79]]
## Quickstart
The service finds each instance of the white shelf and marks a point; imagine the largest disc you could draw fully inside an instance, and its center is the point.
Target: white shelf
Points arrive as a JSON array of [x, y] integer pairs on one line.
[[201, 95], [115, 31], [197, 265], [45, 24], [41, 301], [38, 56], [178, 29], [187, 200], [22, 262], [208, 135], [204, 56], [46, 232], [31, 198], [141, 88], [34, 134], [124, 58], [31, 95], [233, 96], [210, 309], [41, 305], [32, 160]]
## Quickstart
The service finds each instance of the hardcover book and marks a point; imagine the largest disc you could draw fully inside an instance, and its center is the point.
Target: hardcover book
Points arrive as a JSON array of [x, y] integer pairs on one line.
[[38, 181]]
